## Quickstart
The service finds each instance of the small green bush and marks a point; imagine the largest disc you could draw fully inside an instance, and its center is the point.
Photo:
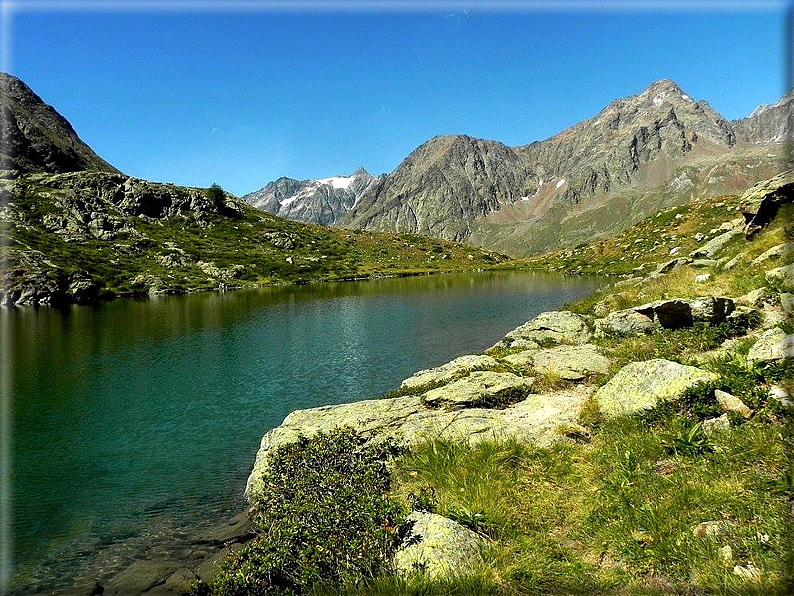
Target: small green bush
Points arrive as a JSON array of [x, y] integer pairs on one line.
[[324, 515]]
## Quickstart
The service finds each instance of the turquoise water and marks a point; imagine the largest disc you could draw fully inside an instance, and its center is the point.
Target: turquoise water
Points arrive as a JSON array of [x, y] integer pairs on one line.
[[137, 422]]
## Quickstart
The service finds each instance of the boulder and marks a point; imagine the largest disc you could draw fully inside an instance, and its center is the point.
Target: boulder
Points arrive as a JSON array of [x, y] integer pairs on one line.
[[446, 372], [774, 253], [760, 203], [731, 403], [784, 275], [409, 421], [703, 277], [555, 326], [625, 322], [480, 388], [572, 363], [437, 547], [704, 263], [679, 312], [772, 346], [669, 266], [756, 297], [177, 583], [643, 385], [715, 245]]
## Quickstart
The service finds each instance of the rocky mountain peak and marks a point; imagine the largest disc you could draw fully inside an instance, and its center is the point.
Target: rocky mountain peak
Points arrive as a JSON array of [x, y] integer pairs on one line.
[[316, 200], [34, 137]]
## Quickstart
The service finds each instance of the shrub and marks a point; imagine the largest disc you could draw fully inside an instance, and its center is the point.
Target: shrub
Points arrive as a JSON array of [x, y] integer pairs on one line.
[[216, 195], [324, 516]]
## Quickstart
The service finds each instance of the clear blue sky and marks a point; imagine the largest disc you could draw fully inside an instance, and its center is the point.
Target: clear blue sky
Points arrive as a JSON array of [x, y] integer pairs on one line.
[[241, 99]]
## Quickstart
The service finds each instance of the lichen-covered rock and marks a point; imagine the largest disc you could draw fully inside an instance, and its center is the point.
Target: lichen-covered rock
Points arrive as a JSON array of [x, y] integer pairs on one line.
[[715, 245], [555, 326], [775, 253], [480, 388], [625, 322], [772, 346], [572, 363], [449, 370], [643, 385], [437, 547], [756, 297], [409, 421], [784, 275]]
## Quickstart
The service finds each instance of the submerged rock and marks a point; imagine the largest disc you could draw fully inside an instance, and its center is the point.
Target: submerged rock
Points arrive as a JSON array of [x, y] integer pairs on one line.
[[447, 372], [644, 385], [438, 547]]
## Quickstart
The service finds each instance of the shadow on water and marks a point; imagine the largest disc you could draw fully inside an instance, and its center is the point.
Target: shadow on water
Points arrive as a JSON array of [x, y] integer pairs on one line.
[[136, 422]]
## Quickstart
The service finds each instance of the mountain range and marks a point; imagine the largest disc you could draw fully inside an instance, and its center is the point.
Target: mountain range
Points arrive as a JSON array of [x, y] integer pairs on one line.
[[638, 155]]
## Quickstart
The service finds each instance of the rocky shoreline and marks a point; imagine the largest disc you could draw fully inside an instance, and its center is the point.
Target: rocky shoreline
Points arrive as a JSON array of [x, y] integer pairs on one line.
[[531, 387]]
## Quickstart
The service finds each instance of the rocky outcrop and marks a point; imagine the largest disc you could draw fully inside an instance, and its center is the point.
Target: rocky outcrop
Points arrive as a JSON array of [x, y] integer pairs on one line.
[[548, 327], [643, 385], [674, 313], [783, 275], [480, 389], [437, 547], [571, 363], [36, 138], [450, 370], [715, 245], [321, 201], [760, 204], [442, 186], [409, 421]]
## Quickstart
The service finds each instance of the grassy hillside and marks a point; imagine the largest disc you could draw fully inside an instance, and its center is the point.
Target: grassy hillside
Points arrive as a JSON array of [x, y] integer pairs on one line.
[[136, 237]]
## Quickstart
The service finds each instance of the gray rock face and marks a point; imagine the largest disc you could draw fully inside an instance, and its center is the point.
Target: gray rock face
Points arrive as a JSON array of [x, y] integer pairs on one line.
[[643, 385], [36, 138], [409, 421], [141, 577], [772, 346], [767, 123], [457, 187], [761, 202], [438, 547], [479, 389], [446, 372], [322, 201], [675, 313], [775, 253], [442, 186]]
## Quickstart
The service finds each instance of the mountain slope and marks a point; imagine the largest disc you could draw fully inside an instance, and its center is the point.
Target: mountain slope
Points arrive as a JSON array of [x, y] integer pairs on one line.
[[75, 229], [35, 138], [441, 187], [639, 154], [322, 201], [638, 143]]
